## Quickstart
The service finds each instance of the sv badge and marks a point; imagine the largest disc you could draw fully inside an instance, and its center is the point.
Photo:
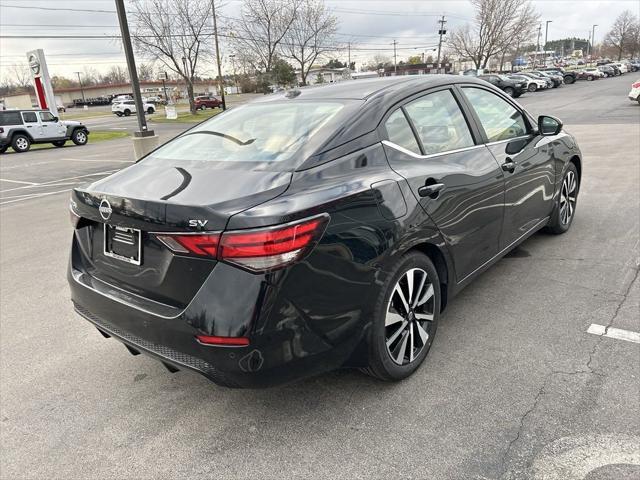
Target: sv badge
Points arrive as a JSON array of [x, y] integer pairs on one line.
[[198, 223]]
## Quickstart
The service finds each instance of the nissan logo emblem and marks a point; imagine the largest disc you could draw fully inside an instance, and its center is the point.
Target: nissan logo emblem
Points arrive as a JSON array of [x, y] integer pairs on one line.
[[105, 209], [34, 64]]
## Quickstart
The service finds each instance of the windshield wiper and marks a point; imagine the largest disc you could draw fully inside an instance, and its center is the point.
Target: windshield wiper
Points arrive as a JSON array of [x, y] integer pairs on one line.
[[223, 135]]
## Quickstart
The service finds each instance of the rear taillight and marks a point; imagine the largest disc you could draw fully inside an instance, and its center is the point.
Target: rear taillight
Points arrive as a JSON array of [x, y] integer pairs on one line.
[[257, 250], [223, 341], [636, 85]]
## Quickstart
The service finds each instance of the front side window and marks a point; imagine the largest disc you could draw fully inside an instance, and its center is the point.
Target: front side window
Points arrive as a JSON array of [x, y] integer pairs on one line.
[[255, 133], [399, 132], [439, 123], [29, 117], [500, 120], [47, 117]]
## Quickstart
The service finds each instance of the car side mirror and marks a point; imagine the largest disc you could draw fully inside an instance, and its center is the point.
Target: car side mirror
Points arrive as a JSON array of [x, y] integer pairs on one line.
[[56, 119], [548, 125]]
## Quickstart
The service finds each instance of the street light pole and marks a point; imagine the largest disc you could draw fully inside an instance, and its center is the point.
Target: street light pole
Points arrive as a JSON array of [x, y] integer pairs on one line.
[[215, 36], [441, 32], [81, 89], [546, 33], [535, 56], [593, 38], [146, 140], [395, 63]]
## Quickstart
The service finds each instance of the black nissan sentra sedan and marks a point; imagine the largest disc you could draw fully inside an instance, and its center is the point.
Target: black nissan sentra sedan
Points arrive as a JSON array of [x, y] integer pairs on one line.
[[318, 228]]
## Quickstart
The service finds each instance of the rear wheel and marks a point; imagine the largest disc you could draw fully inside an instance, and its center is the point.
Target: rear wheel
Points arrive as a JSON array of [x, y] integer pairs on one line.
[[405, 318], [589, 78], [150, 110], [565, 210], [509, 91], [20, 143], [79, 137], [127, 112], [569, 79], [59, 143], [533, 87], [4, 149]]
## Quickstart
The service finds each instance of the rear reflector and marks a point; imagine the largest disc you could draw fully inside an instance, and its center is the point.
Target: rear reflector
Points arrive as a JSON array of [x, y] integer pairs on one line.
[[257, 250], [228, 341]]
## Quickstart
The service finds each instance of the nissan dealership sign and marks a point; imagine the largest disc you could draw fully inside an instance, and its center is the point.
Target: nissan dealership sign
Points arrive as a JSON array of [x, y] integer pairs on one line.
[[41, 80]]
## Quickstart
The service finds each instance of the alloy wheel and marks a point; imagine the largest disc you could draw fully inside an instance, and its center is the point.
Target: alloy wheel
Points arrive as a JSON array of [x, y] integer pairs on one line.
[[409, 317], [22, 143], [568, 198], [81, 137]]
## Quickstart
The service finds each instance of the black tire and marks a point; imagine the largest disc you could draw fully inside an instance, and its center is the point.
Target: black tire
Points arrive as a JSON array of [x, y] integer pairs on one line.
[[509, 91], [381, 363], [569, 79], [127, 112], [20, 143], [150, 110], [79, 136], [4, 149], [532, 87], [589, 78], [59, 143], [560, 223]]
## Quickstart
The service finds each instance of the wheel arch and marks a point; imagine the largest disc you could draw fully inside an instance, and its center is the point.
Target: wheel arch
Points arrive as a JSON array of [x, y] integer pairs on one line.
[[578, 164], [16, 131], [443, 268]]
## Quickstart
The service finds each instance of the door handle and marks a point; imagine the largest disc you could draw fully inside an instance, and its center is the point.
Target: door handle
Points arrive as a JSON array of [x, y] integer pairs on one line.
[[509, 165], [432, 190]]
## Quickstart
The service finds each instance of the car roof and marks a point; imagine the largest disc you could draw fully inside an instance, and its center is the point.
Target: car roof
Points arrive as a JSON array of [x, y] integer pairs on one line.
[[363, 89]]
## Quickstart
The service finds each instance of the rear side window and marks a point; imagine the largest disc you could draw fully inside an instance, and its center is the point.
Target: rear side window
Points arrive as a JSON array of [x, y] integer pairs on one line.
[[500, 120], [399, 132], [47, 117], [256, 133], [439, 122], [10, 118], [29, 117]]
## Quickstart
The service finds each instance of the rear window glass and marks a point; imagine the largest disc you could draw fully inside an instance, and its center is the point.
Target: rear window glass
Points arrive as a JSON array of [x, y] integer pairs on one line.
[[258, 133], [10, 118]]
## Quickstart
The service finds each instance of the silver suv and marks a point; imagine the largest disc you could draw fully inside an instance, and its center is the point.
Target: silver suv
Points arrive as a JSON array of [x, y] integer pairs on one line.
[[20, 128]]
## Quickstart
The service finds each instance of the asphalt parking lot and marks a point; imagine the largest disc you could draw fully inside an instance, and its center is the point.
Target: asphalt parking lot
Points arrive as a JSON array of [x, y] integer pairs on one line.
[[515, 387]]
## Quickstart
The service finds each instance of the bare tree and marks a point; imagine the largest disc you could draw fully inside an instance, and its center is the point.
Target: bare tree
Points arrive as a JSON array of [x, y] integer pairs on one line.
[[145, 71], [623, 34], [174, 32], [21, 75], [496, 25], [262, 28], [116, 74], [311, 35]]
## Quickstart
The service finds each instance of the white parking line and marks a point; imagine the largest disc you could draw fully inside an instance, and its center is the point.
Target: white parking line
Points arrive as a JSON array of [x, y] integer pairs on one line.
[[616, 333], [17, 181], [57, 180], [34, 195]]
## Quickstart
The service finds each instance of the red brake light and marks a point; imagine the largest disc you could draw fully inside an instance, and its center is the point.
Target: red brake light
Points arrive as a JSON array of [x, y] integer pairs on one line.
[[228, 341], [274, 247], [257, 250], [200, 244], [636, 85]]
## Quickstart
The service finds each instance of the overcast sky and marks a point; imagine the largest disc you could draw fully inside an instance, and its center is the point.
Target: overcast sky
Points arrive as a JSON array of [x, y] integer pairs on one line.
[[371, 24]]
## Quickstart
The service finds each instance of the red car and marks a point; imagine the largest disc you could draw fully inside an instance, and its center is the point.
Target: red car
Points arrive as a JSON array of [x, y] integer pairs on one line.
[[207, 102]]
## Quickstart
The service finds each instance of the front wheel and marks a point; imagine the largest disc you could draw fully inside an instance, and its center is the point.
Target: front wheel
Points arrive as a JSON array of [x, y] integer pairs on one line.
[[509, 91], [569, 79], [150, 110], [405, 318], [533, 87], [79, 137], [127, 113], [565, 209], [589, 78]]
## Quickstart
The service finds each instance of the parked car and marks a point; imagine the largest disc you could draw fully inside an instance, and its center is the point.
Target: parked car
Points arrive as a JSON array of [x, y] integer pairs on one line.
[[513, 88], [568, 76], [634, 65], [607, 71], [207, 102], [533, 84], [547, 80], [615, 68], [589, 74], [634, 94], [155, 100], [555, 78], [19, 129], [127, 107], [317, 228], [622, 66]]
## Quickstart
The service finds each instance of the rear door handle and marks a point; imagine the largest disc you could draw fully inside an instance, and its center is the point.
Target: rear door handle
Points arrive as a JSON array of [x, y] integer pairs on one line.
[[431, 190], [509, 165]]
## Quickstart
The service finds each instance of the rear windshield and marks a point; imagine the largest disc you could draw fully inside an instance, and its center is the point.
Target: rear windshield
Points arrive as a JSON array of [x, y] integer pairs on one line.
[[265, 133]]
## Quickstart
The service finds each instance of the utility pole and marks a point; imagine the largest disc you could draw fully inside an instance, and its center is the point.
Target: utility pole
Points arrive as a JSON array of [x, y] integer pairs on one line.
[[593, 38], [349, 57], [395, 63], [144, 140], [546, 32], [215, 36], [441, 32], [535, 56], [81, 89]]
